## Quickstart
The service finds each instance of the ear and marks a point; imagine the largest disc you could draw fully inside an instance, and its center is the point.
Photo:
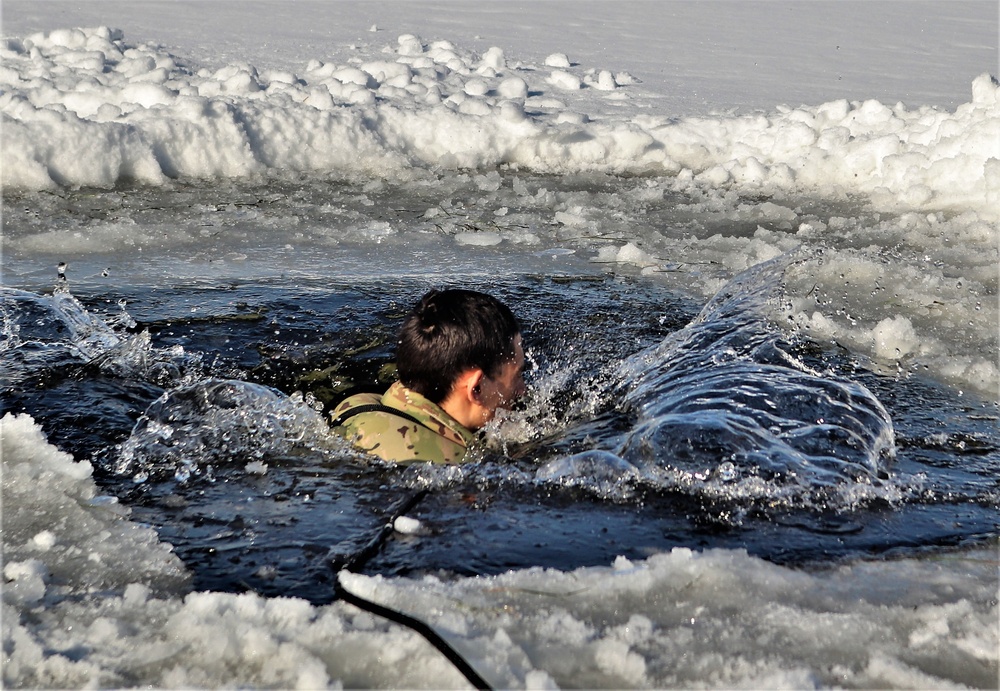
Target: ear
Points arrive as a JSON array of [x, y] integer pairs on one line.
[[471, 385], [468, 386], [465, 402]]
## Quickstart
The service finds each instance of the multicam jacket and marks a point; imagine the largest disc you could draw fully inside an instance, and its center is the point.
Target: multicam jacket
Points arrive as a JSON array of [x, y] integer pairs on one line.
[[401, 426]]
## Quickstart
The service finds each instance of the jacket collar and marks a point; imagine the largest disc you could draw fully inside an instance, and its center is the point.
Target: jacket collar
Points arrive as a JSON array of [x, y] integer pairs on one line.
[[429, 414]]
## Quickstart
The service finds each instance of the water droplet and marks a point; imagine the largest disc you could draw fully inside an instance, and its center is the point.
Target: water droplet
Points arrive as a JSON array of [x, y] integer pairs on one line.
[[727, 472]]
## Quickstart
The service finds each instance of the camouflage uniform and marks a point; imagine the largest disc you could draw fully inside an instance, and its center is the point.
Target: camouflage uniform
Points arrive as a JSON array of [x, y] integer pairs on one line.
[[432, 435]]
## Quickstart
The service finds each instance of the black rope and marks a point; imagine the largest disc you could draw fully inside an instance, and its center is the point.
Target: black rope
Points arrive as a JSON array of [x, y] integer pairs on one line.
[[420, 627], [356, 561], [373, 408]]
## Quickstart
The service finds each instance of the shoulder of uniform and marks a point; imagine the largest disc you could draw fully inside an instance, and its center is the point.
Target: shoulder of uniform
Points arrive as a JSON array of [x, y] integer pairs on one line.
[[352, 402], [396, 427]]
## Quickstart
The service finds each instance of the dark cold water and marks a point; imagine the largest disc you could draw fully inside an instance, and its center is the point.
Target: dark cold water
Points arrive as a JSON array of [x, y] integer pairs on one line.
[[643, 432]]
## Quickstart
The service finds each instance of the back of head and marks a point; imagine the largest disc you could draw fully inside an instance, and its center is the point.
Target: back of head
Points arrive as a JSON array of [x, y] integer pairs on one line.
[[450, 332]]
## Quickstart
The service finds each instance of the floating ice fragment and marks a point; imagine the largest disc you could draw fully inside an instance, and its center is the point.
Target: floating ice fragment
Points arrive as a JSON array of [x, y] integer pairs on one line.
[[256, 468], [407, 526], [626, 254], [726, 472], [482, 239], [555, 252], [490, 182], [266, 572], [572, 219]]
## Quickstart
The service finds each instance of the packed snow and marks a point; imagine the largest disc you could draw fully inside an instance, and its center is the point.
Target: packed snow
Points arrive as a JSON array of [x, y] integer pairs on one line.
[[93, 107]]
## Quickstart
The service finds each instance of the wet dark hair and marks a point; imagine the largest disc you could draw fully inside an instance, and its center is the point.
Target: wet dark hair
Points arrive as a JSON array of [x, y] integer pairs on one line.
[[450, 332]]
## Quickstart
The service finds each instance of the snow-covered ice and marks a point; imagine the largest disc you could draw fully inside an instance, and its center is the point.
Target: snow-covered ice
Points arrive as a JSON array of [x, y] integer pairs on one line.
[[93, 107]]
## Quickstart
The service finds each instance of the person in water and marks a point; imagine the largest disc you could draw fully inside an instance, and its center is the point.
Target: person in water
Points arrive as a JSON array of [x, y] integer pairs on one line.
[[459, 358]]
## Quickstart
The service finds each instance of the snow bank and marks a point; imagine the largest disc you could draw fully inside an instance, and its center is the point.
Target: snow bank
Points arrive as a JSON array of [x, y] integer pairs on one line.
[[86, 107], [716, 619], [60, 535], [91, 599]]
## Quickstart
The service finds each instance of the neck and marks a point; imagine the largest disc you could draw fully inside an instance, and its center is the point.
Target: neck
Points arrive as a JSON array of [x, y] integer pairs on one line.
[[467, 415]]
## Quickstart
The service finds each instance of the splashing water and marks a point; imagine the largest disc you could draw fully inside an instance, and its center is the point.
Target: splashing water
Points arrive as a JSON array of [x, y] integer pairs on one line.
[[217, 421], [722, 407], [48, 333]]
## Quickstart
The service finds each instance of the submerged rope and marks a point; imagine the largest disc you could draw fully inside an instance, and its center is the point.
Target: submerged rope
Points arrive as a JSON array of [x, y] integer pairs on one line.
[[354, 562], [357, 560]]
